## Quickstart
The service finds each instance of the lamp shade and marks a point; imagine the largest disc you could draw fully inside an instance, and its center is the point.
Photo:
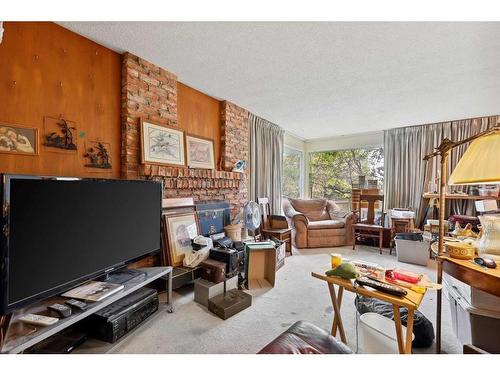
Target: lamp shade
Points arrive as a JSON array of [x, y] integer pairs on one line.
[[480, 163]]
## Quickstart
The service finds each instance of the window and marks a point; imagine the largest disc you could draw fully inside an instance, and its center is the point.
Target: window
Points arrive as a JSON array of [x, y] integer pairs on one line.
[[293, 173], [331, 173]]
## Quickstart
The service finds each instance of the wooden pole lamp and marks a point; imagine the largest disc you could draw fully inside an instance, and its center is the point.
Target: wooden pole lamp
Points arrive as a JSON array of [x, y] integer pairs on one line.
[[480, 164]]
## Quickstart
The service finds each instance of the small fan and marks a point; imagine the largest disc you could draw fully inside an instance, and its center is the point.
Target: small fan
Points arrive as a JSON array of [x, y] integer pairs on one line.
[[251, 216]]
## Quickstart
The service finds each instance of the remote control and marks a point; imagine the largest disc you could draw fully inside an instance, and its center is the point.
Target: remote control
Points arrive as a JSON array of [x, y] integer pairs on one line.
[[79, 305], [381, 286], [38, 320], [61, 310]]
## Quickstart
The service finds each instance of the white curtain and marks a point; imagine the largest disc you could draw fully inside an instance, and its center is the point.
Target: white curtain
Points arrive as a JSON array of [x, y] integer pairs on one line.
[[407, 175], [266, 161]]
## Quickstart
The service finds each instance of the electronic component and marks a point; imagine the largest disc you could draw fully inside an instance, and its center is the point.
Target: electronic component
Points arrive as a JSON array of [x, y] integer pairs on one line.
[[381, 286], [116, 320], [38, 320], [60, 310], [78, 305]]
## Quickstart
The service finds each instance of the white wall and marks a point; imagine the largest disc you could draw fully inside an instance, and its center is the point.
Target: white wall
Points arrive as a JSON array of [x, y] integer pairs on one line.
[[344, 142], [294, 142]]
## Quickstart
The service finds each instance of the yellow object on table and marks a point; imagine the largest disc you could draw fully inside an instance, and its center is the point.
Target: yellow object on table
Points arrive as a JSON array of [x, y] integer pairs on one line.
[[460, 250], [335, 259]]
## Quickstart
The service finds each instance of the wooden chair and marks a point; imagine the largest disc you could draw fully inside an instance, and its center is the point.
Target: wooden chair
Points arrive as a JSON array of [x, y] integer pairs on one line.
[[400, 226], [274, 225], [368, 228]]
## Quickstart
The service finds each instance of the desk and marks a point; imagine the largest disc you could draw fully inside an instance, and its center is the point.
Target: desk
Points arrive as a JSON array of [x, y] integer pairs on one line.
[[485, 279], [411, 301]]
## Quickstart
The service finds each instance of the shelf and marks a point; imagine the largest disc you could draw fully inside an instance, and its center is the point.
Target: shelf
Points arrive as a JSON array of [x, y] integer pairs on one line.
[[459, 196], [20, 343], [184, 172], [193, 178]]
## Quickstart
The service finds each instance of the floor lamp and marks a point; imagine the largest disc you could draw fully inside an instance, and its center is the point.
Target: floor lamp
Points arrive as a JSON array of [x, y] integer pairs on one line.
[[480, 164]]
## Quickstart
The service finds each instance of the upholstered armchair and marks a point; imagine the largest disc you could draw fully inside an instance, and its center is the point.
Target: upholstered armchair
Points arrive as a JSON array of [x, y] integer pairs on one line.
[[318, 223]]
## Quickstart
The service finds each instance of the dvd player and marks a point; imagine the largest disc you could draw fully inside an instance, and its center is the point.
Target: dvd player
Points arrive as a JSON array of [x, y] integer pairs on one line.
[[116, 320]]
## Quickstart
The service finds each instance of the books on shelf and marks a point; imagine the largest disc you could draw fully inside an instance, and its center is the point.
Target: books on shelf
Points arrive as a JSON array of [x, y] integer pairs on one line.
[[93, 291]]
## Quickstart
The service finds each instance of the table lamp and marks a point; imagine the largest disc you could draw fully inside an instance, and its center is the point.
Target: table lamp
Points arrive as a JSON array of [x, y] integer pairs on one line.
[[480, 163]]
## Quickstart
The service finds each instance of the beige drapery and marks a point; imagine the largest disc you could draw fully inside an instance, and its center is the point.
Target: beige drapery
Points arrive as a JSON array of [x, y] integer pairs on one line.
[[407, 175], [266, 161]]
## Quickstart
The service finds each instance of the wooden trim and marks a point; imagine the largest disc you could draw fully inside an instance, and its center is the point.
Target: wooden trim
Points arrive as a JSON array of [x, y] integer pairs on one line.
[[143, 158], [37, 139]]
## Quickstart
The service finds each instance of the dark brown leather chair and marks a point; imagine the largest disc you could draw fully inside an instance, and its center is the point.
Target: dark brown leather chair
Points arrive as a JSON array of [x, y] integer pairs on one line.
[[305, 338]]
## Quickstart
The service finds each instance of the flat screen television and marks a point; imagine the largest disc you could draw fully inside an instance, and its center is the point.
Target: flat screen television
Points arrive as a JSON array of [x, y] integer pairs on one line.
[[60, 232]]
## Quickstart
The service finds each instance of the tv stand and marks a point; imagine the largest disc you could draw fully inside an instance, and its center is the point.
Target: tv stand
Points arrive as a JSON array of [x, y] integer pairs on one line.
[[18, 343], [122, 276]]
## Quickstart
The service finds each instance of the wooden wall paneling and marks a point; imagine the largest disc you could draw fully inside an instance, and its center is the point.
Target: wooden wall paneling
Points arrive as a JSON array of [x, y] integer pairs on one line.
[[199, 115], [46, 70]]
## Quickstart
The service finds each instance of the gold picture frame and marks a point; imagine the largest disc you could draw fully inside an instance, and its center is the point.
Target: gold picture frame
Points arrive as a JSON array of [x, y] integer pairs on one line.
[[19, 139], [200, 152], [180, 229]]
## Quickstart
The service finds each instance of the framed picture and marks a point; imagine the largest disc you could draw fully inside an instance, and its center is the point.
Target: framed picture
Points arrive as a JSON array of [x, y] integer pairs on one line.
[[60, 135], [200, 152], [18, 139], [97, 156], [181, 229], [161, 144]]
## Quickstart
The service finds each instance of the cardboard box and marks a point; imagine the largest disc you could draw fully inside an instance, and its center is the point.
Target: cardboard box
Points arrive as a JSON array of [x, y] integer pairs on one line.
[[204, 289], [261, 267]]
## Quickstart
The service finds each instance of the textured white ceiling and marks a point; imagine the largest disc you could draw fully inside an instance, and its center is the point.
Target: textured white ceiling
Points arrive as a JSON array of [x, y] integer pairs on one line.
[[325, 79]]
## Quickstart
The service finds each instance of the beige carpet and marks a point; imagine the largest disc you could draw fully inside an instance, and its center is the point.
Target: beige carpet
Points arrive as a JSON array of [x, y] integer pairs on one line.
[[296, 296]]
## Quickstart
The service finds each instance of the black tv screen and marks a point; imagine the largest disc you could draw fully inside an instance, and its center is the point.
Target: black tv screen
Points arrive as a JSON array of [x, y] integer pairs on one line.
[[62, 232]]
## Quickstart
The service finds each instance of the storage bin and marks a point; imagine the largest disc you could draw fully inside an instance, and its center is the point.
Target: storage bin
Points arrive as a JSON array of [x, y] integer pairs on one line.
[[377, 334], [411, 248], [472, 325]]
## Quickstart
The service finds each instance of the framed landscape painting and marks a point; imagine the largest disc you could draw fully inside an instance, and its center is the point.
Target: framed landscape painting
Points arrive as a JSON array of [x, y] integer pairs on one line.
[[200, 152], [17, 139], [162, 144]]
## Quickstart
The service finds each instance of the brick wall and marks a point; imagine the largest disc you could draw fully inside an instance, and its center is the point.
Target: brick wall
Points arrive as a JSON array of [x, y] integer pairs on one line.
[[150, 92], [235, 146], [235, 142]]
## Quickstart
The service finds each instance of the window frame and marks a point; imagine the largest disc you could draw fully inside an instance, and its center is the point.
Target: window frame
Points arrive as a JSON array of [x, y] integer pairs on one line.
[[296, 151], [342, 149]]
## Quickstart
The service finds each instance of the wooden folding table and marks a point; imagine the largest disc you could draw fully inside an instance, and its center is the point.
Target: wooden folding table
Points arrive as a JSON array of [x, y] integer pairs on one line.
[[411, 301]]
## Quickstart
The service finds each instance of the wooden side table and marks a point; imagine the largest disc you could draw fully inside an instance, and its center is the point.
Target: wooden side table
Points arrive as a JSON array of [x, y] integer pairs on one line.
[[487, 280], [284, 235], [411, 301]]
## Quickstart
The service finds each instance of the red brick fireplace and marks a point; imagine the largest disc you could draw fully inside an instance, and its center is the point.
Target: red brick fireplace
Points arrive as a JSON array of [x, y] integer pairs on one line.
[[150, 92]]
